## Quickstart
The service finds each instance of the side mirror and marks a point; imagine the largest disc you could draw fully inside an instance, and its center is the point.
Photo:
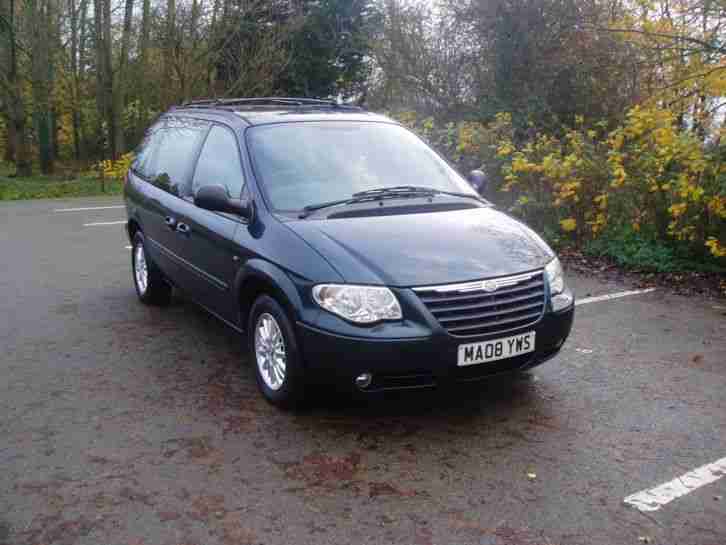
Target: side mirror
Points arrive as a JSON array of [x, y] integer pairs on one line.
[[216, 199], [478, 180]]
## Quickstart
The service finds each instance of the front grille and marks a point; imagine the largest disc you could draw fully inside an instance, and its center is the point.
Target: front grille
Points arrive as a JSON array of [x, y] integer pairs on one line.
[[467, 310]]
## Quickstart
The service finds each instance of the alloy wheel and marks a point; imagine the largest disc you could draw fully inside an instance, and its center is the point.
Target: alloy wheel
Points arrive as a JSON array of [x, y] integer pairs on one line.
[[141, 270], [270, 351]]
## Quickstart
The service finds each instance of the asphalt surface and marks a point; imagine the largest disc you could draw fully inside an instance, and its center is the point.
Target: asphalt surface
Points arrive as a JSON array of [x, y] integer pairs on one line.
[[127, 425]]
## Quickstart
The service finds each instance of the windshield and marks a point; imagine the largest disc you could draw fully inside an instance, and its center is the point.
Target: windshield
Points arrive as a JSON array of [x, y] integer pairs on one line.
[[303, 164]]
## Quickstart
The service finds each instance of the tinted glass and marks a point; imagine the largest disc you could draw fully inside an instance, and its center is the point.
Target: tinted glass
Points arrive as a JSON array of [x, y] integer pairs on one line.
[[219, 163], [302, 164], [174, 148], [145, 151]]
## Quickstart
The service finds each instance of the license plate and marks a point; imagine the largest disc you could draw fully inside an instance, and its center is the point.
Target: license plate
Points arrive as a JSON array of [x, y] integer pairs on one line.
[[499, 349]]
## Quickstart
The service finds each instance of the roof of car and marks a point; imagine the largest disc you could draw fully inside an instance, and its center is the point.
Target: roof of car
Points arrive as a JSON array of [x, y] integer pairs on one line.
[[263, 111]]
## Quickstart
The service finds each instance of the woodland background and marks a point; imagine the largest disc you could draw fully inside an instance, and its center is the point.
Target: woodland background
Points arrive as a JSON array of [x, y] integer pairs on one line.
[[599, 122]]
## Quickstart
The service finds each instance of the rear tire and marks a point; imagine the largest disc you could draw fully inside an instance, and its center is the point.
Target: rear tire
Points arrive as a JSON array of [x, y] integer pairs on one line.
[[274, 354], [150, 285]]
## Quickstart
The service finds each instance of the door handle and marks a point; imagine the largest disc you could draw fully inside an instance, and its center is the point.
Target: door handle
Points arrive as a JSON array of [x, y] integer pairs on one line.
[[183, 228], [170, 222]]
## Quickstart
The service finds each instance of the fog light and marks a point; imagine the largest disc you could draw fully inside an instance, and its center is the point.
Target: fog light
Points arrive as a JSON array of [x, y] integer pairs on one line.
[[364, 380]]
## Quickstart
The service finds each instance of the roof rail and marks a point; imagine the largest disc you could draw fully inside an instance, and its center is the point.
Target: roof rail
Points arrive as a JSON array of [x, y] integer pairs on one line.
[[264, 101]]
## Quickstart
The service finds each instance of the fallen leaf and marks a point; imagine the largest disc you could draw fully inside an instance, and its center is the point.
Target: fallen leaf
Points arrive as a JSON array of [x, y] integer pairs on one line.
[[166, 516]]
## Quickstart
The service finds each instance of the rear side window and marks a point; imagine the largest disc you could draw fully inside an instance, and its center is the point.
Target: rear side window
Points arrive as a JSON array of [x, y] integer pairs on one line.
[[219, 163], [145, 151], [171, 152]]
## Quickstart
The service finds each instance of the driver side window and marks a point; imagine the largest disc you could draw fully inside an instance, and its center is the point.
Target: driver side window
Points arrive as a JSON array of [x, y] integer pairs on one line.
[[219, 163]]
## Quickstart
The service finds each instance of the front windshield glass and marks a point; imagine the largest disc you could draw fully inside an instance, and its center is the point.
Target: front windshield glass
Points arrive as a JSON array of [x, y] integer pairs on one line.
[[303, 164]]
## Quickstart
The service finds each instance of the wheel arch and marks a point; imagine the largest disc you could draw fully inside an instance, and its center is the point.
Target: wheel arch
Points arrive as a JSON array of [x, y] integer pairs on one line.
[[133, 227], [258, 277]]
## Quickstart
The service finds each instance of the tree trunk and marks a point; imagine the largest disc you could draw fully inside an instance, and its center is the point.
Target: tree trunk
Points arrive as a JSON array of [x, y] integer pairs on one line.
[[12, 86], [144, 57], [194, 31], [23, 165], [120, 91], [10, 138], [82, 40], [40, 13], [8, 152], [188, 79], [54, 132], [6, 37], [169, 53], [100, 70], [73, 19], [112, 117], [53, 24], [213, 34], [104, 75]]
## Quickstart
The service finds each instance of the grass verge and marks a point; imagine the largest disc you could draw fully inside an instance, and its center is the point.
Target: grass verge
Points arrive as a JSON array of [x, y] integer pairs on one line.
[[53, 187]]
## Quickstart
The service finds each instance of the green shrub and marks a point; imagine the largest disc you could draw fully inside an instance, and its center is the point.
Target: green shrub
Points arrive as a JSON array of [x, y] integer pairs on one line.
[[632, 250]]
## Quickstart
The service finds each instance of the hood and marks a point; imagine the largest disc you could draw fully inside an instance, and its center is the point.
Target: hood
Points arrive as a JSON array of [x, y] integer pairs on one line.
[[425, 249]]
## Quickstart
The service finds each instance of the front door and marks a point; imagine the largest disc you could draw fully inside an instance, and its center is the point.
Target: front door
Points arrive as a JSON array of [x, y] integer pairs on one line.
[[207, 238]]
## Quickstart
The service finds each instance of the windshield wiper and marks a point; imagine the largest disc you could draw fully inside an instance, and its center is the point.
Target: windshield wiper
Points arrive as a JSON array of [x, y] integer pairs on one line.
[[473, 196], [413, 190], [315, 207], [401, 191], [396, 191]]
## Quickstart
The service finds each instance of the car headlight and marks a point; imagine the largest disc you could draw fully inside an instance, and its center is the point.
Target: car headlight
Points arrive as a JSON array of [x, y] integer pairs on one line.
[[560, 294], [359, 304], [555, 276]]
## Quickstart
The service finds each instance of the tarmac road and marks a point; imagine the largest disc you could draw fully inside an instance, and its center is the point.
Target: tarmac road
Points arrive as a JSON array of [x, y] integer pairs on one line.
[[127, 425]]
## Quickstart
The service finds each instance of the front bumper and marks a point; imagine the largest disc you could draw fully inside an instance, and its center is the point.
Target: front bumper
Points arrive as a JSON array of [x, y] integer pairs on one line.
[[423, 362]]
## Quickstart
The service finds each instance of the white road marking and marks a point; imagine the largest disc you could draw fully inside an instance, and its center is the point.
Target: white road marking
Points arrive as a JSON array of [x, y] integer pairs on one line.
[[128, 247], [87, 209], [610, 296], [104, 223], [655, 498]]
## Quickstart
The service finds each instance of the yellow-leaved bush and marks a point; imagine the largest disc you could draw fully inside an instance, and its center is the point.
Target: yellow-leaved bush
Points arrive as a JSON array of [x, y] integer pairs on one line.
[[115, 170], [646, 176]]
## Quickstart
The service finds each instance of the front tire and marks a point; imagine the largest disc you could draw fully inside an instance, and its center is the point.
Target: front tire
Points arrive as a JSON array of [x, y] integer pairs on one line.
[[274, 352], [148, 280]]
